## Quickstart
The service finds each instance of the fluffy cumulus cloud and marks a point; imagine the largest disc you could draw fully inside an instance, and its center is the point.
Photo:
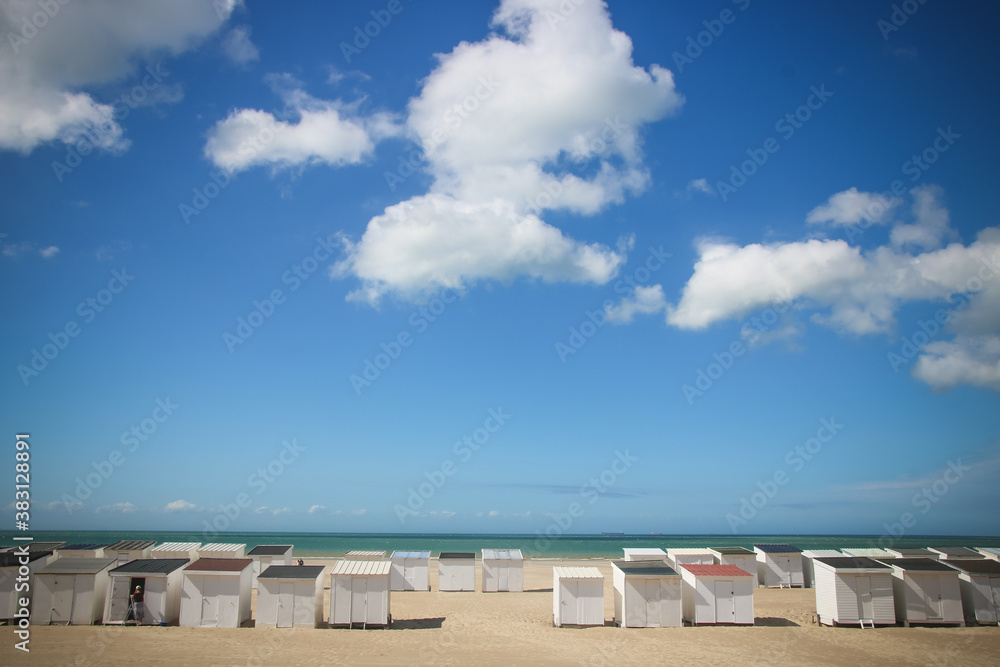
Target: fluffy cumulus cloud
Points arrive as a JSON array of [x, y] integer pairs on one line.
[[61, 48], [543, 114], [311, 131], [854, 291], [851, 207], [238, 47], [181, 506]]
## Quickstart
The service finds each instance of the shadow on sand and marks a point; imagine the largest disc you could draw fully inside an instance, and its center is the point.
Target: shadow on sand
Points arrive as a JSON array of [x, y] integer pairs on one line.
[[416, 623]]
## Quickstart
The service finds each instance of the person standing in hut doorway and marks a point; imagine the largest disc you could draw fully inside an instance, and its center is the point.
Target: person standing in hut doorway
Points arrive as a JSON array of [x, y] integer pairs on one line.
[[137, 607]]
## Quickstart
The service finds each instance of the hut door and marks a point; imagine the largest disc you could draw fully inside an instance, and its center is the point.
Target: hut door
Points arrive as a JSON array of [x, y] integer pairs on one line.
[[503, 584], [209, 602], [865, 609], [932, 591], [359, 600], [784, 569], [119, 598], [286, 604], [652, 603], [725, 602], [408, 575], [62, 599], [569, 612]]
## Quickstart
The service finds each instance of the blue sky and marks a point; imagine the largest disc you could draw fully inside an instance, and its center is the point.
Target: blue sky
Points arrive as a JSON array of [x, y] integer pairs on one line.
[[516, 266]]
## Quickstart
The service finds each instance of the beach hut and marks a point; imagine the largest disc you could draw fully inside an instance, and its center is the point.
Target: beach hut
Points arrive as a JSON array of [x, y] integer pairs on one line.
[[81, 551], [989, 552], [677, 557], [717, 594], [410, 571], [908, 552], [645, 554], [779, 565], [647, 594], [577, 596], [457, 571], [125, 550], [503, 570], [853, 590], [867, 552], [359, 593], [364, 555], [34, 546], [979, 585], [741, 557], [161, 580], [10, 563], [925, 591], [175, 550], [265, 555], [807, 563], [216, 593], [71, 591], [956, 553], [290, 596], [222, 550]]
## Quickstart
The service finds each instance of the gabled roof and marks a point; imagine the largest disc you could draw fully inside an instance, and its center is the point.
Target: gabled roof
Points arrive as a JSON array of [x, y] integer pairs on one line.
[[292, 572], [37, 546], [867, 552], [732, 551], [422, 555], [919, 565], [270, 550], [151, 566], [502, 554], [82, 547], [12, 559], [578, 572], [976, 566], [362, 567], [689, 551], [715, 570], [777, 548], [221, 565], [644, 551], [822, 553], [177, 546], [131, 545], [956, 552], [843, 563], [77, 566], [650, 568], [222, 546], [456, 555], [908, 552], [360, 553]]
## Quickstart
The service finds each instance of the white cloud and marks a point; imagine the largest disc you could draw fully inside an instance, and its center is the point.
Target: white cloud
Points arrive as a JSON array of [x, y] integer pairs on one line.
[[123, 508], [494, 513], [84, 44], [181, 506], [15, 250], [283, 510], [49, 252], [317, 508], [546, 116], [972, 360], [931, 221], [644, 300], [700, 185], [238, 47], [850, 207]]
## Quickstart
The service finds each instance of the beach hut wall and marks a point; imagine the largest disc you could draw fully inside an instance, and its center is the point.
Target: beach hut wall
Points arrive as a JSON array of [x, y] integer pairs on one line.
[[161, 580], [10, 564], [410, 571], [71, 591], [647, 594], [925, 591], [779, 565], [457, 571], [125, 550], [216, 593], [359, 593], [717, 595], [503, 570], [853, 590], [979, 585], [741, 557], [577, 596], [290, 596], [807, 563]]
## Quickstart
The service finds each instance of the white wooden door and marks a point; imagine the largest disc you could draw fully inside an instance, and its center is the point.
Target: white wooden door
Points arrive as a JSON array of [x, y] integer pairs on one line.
[[653, 588], [286, 604], [503, 582], [725, 602], [864, 591], [784, 564], [932, 591], [359, 600], [408, 575], [83, 598], [209, 602], [569, 612], [62, 599], [635, 603], [119, 598]]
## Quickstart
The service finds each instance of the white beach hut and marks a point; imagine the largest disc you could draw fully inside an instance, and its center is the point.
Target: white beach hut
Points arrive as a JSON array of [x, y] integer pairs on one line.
[[71, 591], [925, 591], [81, 551], [779, 565], [979, 584], [853, 591], [503, 570], [807, 563], [216, 593], [290, 596], [741, 557], [911, 552], [690, 555], [410, 571], [265, 555], [161, 580], [577, 596], [364, 555], [457, 571], [125, 550], [222, 550], [647, 594], [359, 593], [956, 553], [717, 594], [989, 552], [175, 550], [645, 554], [10, 563]]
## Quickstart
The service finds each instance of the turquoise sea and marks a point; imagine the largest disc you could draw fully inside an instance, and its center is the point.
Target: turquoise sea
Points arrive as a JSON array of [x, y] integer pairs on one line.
[[533, 546]]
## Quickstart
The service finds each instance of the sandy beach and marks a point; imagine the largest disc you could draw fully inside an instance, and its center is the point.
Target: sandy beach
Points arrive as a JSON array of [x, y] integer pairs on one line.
[[515, 628]]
